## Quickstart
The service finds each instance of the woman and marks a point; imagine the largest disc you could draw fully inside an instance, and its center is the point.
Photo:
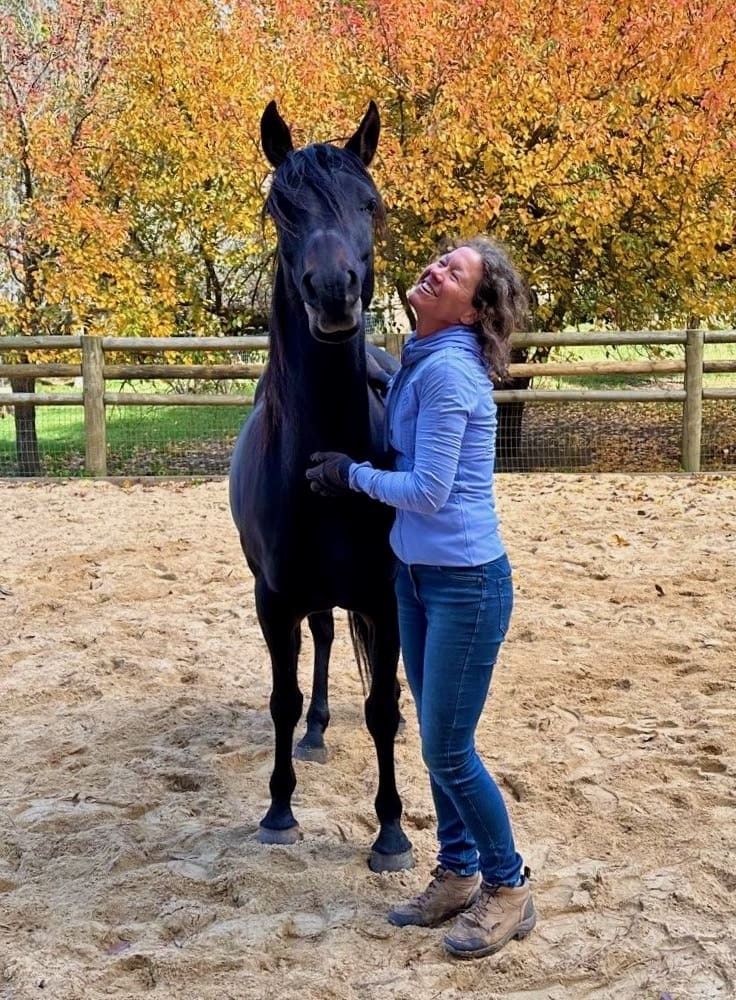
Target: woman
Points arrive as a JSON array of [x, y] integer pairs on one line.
[[454, 585]]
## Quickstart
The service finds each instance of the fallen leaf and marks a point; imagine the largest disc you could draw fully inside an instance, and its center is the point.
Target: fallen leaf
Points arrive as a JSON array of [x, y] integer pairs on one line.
[[117, 947]]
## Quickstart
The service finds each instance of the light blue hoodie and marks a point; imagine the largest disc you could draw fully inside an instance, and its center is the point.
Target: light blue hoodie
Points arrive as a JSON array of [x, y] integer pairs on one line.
[[441, 422]]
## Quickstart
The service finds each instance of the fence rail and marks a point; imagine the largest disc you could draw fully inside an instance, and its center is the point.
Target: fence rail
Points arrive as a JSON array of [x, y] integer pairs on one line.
[[94, 372]]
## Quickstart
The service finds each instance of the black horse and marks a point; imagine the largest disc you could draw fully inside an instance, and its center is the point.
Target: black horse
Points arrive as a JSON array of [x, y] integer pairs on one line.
[[309, 554]]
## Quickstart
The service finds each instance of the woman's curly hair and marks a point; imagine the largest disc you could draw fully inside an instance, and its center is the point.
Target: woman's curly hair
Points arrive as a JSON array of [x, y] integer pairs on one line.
[[501, 301]]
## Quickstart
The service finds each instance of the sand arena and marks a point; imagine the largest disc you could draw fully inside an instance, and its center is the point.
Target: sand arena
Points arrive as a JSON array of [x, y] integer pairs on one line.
[[136, 749]]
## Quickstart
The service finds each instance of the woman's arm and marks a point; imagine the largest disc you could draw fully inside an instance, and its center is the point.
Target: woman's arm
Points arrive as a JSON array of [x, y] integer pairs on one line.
[[447, 398]]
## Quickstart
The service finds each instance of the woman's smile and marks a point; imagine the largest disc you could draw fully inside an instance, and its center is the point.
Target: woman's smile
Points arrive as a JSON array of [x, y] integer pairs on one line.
[[444, 294]]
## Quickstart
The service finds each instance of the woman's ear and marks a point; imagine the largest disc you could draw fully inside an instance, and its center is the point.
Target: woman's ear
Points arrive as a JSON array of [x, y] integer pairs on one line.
[[470, 316]]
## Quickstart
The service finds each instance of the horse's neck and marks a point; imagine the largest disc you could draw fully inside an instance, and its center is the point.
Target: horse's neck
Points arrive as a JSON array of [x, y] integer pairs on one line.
[[321, 388]]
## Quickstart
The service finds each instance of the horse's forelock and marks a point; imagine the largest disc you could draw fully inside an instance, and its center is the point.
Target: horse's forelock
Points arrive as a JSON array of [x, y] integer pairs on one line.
[[319, 168]]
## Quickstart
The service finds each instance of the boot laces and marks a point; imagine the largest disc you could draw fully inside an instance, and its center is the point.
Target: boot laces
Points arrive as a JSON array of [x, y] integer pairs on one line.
[[485, 903], [426, 895]]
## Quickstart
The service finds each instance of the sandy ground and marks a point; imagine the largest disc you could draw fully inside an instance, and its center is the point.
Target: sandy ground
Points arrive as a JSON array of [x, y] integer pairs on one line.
[[136, 750]]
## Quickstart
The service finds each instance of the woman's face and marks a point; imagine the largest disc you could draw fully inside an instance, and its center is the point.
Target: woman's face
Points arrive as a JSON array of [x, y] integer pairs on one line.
[[444, 294]]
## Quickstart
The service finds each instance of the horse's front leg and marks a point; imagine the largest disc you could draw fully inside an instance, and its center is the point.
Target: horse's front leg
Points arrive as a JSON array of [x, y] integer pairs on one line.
[[312, 745], [392, 850], [280, 626]]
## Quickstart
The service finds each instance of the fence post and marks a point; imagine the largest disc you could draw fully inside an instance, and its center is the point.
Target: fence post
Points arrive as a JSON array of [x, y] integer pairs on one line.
[[95, 431], [394, 343], [692, 412]]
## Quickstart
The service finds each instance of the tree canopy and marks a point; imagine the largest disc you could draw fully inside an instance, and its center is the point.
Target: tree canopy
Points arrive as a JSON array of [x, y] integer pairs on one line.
[[596, 140]]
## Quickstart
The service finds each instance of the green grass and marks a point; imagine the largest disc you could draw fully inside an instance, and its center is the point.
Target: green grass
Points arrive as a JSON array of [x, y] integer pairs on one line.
[[594, 353], [166, 425]]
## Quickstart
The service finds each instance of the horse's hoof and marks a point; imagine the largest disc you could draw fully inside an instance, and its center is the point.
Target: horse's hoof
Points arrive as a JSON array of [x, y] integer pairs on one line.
[[291, 835], [391, 862], [318, 755]]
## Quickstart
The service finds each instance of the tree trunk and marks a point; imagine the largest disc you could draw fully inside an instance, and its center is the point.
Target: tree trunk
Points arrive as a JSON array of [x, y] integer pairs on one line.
[[26, 439], [510, 416]]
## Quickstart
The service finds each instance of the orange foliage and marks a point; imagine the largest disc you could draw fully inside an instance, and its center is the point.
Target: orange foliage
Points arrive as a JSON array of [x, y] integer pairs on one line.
[[596, 139]]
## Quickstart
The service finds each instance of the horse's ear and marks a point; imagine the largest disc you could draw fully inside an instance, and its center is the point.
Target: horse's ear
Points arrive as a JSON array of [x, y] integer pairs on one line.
[[365, 140], [275, 136]]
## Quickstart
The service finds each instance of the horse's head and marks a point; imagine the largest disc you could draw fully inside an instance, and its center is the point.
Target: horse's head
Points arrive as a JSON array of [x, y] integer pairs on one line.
[[324, 204]]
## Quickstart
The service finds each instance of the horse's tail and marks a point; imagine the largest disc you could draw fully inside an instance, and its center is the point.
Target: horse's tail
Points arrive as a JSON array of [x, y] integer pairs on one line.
[[361, 634]]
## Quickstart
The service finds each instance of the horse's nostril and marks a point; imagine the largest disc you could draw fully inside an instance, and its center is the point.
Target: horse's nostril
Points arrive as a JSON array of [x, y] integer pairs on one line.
[[352, 280]]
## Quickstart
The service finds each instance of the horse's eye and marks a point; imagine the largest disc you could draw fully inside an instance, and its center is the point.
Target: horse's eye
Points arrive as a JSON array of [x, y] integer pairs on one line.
[[371, 205]]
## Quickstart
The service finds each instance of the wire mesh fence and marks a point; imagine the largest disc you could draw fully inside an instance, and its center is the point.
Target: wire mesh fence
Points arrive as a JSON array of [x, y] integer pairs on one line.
[[59, 431], [141, 440], [616, 437], [172, 441], [554, 437]]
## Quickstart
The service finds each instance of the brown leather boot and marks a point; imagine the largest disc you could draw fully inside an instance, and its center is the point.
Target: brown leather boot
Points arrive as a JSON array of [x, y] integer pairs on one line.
[[445, 896], [499, 914]]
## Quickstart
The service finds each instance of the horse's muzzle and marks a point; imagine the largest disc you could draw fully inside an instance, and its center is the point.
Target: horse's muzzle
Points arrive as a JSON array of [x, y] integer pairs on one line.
[[331, 329]]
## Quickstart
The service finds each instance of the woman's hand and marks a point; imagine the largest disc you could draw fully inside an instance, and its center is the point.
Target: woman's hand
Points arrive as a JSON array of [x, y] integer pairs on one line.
[[330, 477]]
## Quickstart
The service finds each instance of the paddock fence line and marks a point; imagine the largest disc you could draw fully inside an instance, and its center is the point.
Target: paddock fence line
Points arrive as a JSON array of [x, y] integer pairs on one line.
[[93, 371]]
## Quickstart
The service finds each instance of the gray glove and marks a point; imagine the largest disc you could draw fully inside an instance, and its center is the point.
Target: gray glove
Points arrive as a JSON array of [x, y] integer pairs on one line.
[[330, 477]]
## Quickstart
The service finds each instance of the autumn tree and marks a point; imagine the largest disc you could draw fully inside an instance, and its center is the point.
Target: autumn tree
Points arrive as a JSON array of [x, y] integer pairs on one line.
[[53, 59], [596, 139], [189, 172]]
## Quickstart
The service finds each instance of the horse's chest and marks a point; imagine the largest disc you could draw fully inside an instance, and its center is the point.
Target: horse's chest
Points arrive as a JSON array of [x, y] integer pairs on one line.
[[331, 551]]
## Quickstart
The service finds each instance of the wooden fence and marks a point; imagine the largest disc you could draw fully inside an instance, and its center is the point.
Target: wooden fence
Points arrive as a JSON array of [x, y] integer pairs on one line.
[[94, 372]]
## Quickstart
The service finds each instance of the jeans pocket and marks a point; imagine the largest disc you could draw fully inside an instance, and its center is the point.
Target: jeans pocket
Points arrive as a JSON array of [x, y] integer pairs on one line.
[[505, 591], [462, 574]]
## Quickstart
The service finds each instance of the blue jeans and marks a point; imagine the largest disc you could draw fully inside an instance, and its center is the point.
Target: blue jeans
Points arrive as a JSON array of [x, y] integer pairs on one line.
[[452, 622]]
